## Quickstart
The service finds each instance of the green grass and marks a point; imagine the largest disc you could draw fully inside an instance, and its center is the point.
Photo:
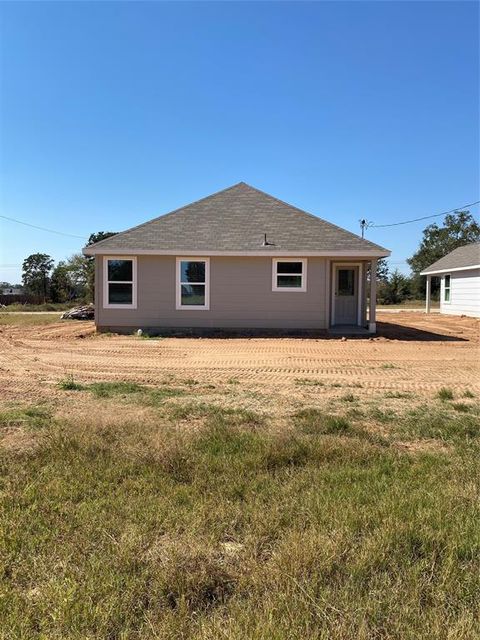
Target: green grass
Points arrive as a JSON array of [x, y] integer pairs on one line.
[[27, 320], [69, 384], [233, 530], [468, 394], [48, 306], [398, 394], [445, 394], [309, 382], [31, 417]]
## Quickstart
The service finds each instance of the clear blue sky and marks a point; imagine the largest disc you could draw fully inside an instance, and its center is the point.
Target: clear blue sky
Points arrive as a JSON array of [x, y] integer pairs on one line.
[[113, 113]]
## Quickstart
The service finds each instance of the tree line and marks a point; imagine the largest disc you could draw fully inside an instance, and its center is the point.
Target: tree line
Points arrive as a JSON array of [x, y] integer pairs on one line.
[[73, 279]]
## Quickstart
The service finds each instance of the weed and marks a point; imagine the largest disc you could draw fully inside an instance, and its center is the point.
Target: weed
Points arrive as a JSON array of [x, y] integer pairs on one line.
[[315, 421], [69, 384], [110, 389], [398, 394], [468, 394], [388, 365], [445, 394], [348, 397], [34, 416], [461, 406], [308, 382], [440, 424]]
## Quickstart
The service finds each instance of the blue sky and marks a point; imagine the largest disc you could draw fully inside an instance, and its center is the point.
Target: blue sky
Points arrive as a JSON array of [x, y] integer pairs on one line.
[[113, 113]]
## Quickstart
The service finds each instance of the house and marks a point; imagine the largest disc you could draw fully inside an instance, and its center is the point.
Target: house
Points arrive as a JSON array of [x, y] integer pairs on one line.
[[12, 291], [238, 259], [459, 273]]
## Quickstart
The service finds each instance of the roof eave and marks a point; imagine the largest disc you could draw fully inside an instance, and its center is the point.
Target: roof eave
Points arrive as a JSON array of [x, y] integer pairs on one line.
[[437, 271], [341, 253]]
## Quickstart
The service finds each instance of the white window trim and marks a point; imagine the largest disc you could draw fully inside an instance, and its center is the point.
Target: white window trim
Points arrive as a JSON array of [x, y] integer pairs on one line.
[[178, 286], [301, 289], [444, 301], [106, 282]]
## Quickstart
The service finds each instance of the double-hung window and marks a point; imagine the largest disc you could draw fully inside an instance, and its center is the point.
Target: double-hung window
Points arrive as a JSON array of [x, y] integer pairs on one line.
[[446, 288], [193, 283], [120, 283], [289, 275]]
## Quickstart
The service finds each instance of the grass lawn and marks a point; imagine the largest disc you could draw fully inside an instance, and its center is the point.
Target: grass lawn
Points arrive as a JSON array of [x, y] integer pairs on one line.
[[409, 304], [27, 320], [47, 306], [147, 516]]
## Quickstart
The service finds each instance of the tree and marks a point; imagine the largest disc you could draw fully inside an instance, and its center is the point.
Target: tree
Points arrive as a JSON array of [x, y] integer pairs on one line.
[[458, 229], [36, 274], [90, 261], [394, 290], [61, 284], [77, 266], [382, 270]]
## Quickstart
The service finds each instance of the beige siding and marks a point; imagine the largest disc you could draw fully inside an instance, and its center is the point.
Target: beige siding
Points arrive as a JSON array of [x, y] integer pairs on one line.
[[464, 293], [241, 296]]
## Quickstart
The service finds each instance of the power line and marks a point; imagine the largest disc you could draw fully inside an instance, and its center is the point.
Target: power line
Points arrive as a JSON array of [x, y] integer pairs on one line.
[[34, 226], [435, 215]]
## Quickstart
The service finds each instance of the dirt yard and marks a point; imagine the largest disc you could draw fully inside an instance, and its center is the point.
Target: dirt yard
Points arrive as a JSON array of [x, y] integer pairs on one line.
[[413, 354]]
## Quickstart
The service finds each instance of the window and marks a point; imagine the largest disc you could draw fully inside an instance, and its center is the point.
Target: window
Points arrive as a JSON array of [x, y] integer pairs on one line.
[[193, 283], [446, 289], [289, 275], [346, 282], [119, 288]]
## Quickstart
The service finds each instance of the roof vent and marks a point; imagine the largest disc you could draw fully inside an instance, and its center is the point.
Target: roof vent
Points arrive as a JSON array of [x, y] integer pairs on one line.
[[266, 243]]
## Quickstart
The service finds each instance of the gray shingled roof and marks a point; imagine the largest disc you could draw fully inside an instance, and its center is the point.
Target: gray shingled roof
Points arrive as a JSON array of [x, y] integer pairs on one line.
[[235, 220], [462, 257]]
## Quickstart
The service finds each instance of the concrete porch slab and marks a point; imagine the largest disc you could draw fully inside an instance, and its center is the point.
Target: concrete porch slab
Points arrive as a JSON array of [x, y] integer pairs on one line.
[[349, 330]]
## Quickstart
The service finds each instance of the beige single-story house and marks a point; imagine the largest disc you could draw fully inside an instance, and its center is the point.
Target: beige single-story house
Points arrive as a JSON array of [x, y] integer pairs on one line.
[[459, 273], [238, 259]]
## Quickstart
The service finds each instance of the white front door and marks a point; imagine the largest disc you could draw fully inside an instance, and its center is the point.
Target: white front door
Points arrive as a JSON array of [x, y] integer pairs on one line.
[[345, 310]]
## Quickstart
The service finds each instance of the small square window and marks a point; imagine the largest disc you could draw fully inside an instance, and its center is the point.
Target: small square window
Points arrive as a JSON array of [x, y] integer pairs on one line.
[[289, 275]]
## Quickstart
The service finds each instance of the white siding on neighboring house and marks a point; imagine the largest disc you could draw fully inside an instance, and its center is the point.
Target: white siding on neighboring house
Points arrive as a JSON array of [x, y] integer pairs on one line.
[[464, 293]]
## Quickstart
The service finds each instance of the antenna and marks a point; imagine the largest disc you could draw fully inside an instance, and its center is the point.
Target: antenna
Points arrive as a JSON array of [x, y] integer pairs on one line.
[[364, 224]]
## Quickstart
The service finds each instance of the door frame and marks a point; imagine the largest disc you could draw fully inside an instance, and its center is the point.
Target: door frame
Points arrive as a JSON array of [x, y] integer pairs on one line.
[[359, 289]]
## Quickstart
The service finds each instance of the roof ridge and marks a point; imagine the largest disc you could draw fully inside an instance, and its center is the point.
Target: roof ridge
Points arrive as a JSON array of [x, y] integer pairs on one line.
[[312, 215], [164, 215]]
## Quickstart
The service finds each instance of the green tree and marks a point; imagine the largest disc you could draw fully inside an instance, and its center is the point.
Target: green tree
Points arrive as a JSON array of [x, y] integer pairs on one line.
[[458, 229], [36, 274], [394, 290], [78, 268], [382, 270], [61, 289], [90, 261]]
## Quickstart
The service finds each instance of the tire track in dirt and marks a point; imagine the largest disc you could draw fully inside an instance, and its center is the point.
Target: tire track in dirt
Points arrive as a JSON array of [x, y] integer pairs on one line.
[[406, 359]]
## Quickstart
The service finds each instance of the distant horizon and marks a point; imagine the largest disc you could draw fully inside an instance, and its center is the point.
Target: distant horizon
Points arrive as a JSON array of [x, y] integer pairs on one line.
[[115, 113]]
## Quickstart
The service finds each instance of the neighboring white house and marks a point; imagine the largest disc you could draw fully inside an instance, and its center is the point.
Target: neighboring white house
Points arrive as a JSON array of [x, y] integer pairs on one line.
[[459, 273]]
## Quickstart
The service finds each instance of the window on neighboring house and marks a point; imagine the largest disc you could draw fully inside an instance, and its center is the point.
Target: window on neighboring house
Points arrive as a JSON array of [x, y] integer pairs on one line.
[[120, 283], [289, 275], [193, 283], [446, 289]]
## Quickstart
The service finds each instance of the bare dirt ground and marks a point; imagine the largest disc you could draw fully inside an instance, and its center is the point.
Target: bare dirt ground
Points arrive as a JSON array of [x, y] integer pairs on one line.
[[413, 354]]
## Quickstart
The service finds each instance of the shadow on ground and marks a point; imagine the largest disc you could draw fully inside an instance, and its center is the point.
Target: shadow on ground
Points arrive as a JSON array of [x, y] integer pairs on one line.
[[393, 331]]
